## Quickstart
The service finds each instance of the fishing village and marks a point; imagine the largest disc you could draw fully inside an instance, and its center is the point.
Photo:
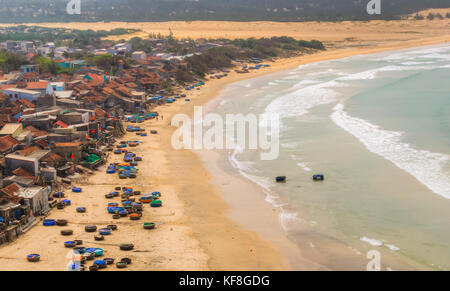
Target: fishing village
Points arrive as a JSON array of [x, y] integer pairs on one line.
[[89, 178], [74, 138]]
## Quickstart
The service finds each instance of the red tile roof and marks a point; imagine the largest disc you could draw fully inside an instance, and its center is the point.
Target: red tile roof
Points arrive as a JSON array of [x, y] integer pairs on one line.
[[28, 151], [10, 192], [62, 124], [27, 103], [100, 113], [23, 173], [52, 158], [36, 85], [67, 144], [35, 132], [8, 86], [42, 143], [7, 143]]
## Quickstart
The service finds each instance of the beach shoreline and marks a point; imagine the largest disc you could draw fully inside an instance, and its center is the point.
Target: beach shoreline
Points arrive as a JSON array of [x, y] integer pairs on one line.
[[198, 228], [293, 260]]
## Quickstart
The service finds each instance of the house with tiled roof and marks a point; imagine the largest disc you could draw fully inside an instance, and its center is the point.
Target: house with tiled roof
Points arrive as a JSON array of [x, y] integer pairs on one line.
[[8, 144]]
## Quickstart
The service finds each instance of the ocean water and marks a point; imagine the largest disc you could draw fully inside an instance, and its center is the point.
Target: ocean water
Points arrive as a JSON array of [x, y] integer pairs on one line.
[[378, 127]]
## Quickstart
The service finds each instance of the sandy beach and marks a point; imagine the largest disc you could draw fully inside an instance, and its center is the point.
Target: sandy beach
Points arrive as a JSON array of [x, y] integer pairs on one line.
[[197, 229]]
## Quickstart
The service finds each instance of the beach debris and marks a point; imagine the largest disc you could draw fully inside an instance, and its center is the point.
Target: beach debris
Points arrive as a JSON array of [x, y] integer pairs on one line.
[[280, 179], [78, 242]]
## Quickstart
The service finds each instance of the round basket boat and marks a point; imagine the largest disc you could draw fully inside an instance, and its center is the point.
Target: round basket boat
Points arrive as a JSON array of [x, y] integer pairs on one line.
[[77, 189], [126, 247], [112, 227], [70, 244], [126, 261], [104, 231], [90, 228], [99, 237], [149, 225], [145, 200], [61, 222], [80, 250], [121, 265], [66, 232], [109, 261], [48, 222], [100, 263], [34, 258], [156, 203], [135, 216], [88, 256], [81, 209], [58, 195]]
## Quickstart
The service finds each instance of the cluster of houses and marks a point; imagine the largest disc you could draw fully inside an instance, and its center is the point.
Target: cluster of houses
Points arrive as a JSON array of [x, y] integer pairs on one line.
[[54, 127]]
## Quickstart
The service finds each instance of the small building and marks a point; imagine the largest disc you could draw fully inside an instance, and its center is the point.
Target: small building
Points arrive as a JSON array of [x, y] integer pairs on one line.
[[139, 56], [8, 144], [13, 162], [11, 129], [54, 86], [29, 68], [75, 118], [70, 151], [36, 198], [48, 174], [18, 94]]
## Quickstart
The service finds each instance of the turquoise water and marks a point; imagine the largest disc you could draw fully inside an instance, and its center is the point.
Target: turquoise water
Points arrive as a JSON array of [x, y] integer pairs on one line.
[[378, 127]]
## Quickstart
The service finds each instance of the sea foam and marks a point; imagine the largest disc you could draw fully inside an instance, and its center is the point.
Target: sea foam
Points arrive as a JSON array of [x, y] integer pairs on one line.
[[427, 167]]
